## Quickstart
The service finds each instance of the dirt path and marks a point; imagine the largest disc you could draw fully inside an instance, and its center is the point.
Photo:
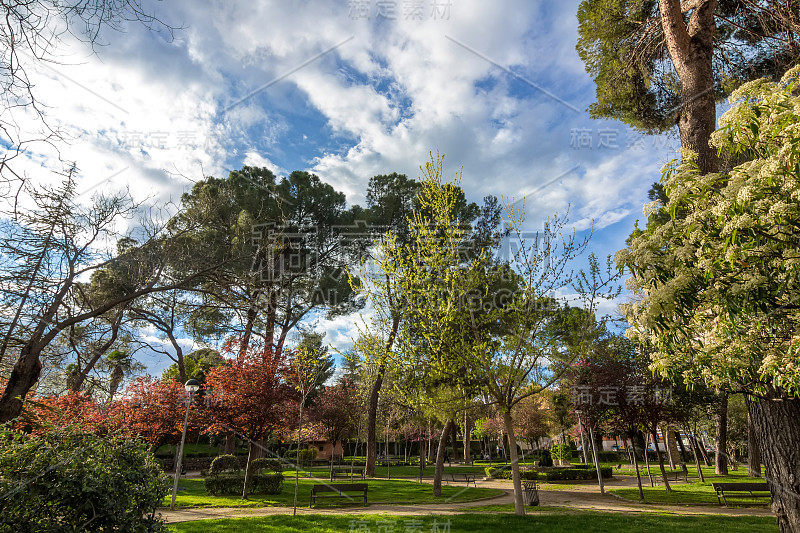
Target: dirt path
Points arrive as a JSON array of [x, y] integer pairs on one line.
[[579, 496]]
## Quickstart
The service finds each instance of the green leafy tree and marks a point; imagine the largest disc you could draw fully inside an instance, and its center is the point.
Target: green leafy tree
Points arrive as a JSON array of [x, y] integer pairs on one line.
[[197, 364], [284, 244], [718, 283]]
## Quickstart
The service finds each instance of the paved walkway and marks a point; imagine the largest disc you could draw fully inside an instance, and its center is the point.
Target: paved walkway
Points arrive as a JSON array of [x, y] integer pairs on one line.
[[584, 496]]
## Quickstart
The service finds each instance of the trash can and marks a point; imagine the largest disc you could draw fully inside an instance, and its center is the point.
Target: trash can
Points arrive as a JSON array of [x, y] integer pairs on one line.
[[531, 493]]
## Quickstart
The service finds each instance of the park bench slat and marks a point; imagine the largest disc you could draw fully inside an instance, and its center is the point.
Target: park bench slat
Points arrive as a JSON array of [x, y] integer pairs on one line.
[[339, 491], [740, 490]]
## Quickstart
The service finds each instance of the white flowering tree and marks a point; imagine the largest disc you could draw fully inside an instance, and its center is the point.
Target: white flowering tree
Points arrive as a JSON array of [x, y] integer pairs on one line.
[[719, 282]]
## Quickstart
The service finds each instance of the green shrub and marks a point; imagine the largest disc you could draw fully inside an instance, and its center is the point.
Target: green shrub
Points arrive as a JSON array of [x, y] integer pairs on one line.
[[560, 452], [267, 484], [544, 458], [273, 465], [609, 457], [232, 483], [71, 480], [573, 474], [505, 473], [224, 463], [305, 457]]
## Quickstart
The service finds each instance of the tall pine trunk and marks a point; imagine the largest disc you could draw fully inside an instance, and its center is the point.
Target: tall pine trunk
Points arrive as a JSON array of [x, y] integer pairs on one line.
[[691, 50]]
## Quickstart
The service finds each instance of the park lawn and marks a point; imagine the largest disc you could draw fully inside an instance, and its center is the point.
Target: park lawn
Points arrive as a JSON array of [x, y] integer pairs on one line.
[[686, 493], [380, 491], [571, 521]]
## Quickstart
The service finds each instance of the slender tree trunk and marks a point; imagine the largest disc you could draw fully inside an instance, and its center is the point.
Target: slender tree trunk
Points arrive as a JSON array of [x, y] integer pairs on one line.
[[701, 444], [696, 452], [684, 458], [777, 422], [454, 433], [583, 443], [721, 457], [519, 504], [372, 421], [372, 406], [654, 436], [647, 462], [467, 451], [596, 462], [753, 451], [246, 486], [297, 460], [669, 444], [439, 470], [636, 467]]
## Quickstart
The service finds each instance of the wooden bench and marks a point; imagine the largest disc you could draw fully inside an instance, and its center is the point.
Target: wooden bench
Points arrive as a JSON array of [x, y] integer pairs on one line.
[[740, 490], [467, 478], [347, 471], [339, 491]]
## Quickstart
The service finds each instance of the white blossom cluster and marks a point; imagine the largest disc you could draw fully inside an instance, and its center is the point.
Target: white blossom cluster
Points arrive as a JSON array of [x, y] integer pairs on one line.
[[719, 282]]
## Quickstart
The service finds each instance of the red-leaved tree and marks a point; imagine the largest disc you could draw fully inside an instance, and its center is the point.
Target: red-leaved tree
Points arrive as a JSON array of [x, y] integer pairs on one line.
[[155, 410], [337, 410], [248, 395]]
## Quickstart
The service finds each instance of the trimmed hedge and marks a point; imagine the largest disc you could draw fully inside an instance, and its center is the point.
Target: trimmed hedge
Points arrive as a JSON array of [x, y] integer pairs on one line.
[[559, 474], [224, 463], [233, 484], [273, 465], [505, 473]]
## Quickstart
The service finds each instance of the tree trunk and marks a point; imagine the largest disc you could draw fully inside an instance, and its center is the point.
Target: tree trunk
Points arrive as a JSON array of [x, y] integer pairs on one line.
[[596, 461], [636, 467], [519, 504], [654, 435], [696, 452], [691, 51], [455, 441], [777, 423], [372, 420], [583, 443], [230, 444], [684, 461], [439, 470], [753, 450], [647, 462], [721, 457], [467, 442], [23, 377], [246, 486], [372, 407], [669, 444]]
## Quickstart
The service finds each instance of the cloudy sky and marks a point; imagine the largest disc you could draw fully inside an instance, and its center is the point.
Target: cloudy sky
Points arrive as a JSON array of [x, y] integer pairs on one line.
[[350, 89]]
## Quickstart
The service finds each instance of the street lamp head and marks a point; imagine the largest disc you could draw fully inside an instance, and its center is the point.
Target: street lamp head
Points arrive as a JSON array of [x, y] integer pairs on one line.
[[192, 386]]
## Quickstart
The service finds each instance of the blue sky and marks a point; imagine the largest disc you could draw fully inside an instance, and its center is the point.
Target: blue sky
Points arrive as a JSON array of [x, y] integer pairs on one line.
[[350, 89]]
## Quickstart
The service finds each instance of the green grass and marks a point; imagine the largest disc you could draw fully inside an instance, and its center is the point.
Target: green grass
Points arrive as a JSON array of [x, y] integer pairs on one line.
[[577, 521], [682, 493], [380, 491]]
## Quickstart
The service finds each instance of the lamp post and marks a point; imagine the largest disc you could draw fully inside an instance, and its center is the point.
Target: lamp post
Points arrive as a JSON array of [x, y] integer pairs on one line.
[[191, 387]]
